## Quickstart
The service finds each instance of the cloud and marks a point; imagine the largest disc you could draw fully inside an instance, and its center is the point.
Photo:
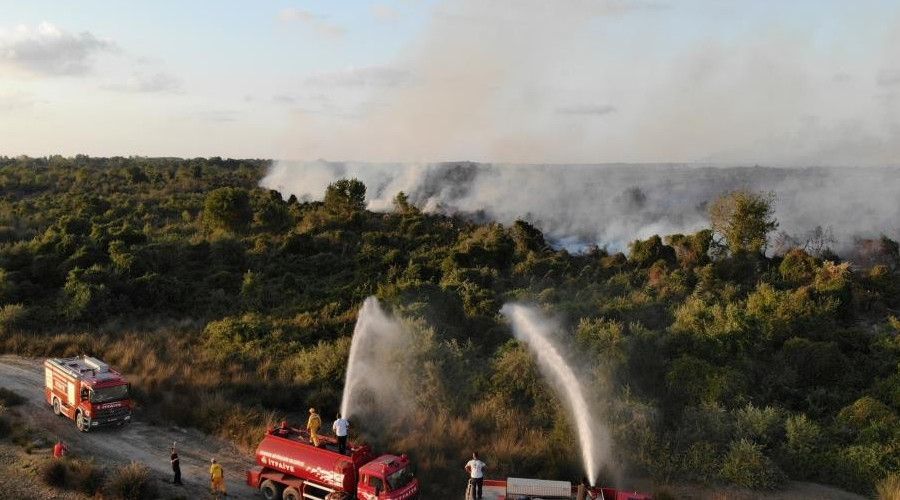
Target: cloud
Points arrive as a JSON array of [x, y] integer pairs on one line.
[[15, 101], [384, 13], [284, 99], [588, 110], [46, 50], [148, 83], [888, 78], [364, 76], [318, 23], [842, 77]]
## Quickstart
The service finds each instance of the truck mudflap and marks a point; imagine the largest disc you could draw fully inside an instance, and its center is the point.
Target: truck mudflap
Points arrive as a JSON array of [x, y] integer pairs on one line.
[[254, 476]]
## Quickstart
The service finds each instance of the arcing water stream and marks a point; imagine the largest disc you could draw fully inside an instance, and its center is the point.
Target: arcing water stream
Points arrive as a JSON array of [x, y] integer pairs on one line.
[[532, 329], [376, 338]]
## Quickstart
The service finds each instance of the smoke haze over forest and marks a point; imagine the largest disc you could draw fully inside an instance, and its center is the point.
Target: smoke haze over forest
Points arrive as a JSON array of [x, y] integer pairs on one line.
[[614, 204]]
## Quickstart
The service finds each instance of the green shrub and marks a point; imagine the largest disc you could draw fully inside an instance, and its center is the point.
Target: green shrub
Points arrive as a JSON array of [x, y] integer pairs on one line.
[[131, 482], [701, 462], [802, 448], [746, 465], [760, 425], [797, 267], [12, 317]]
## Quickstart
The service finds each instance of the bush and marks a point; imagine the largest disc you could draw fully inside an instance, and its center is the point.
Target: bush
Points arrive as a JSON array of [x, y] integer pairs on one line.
[[9, 398], [54, 473], [84, 476], [746, 465], [803, 447], [5, 425], [12, 317], [131, 482], [228, 208], [760, 425], [73, 474]]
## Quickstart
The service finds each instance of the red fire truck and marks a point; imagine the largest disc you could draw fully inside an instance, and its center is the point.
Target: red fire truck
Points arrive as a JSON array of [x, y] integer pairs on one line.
[[86, 390], [291, 468]]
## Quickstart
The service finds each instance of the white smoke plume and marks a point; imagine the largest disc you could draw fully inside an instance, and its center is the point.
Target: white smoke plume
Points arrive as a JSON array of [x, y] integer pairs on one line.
[[610, 205], [588, 81]]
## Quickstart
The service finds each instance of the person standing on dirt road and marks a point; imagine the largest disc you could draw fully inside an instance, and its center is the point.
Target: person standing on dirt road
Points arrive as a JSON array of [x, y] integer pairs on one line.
[[217, 479], [340, 427], [312, 425], [475, 468], [60, 449], [176, 466]]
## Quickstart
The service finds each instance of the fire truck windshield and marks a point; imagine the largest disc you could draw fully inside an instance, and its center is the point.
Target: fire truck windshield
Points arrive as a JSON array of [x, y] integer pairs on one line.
[[400, 478], [105, 394]]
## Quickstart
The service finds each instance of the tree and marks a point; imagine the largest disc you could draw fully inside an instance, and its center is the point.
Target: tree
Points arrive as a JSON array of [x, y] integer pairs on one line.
[[403, 206], [228, 208], [345, 195], [744, 219]]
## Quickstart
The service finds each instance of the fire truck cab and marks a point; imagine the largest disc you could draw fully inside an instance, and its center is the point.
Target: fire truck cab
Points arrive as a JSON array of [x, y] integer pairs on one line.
[[87, 391]]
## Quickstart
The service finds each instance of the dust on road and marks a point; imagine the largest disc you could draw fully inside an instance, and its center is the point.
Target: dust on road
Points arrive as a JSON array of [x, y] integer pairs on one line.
[[137, 441]]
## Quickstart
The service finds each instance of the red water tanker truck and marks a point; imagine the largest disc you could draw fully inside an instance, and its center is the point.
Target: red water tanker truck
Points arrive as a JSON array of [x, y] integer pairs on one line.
[[291, 468]]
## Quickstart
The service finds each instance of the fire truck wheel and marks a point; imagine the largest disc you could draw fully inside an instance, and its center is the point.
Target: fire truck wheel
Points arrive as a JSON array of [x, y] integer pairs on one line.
[[270, 490], [82, 423], [56, 409], [291, 494]]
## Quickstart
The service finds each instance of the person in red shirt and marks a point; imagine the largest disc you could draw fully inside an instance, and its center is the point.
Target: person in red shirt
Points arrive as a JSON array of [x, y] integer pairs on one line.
[[60, 449]]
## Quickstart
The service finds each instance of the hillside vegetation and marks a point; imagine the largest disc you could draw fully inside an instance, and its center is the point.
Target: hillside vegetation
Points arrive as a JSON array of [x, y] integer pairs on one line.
[[230, 307]]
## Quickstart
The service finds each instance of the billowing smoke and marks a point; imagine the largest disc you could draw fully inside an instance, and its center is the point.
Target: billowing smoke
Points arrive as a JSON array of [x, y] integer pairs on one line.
[[588, 81], [610, 205]]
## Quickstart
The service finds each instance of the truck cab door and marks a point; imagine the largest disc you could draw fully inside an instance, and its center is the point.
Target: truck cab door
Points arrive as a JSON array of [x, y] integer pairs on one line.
[[370, 488], [71, 394]]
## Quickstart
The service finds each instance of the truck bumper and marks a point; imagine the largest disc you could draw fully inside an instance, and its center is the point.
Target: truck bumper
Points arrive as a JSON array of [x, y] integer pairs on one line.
[[105, 421]]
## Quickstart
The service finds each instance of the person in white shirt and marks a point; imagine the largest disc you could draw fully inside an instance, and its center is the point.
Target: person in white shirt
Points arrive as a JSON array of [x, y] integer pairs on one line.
[[475, 468], [341, 426]]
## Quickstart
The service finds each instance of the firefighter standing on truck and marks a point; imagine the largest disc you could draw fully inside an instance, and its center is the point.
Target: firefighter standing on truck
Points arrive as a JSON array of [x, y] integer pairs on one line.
[[217, 479], [475, 468], [312, 425], [340, 427]]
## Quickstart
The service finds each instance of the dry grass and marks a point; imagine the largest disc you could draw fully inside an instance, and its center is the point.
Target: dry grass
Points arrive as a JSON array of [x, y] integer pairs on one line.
[[72, 474], [131, 482], [889, 488]]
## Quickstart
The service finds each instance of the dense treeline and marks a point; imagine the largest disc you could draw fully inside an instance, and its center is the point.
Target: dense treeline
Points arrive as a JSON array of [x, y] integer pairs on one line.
[[229, 306]]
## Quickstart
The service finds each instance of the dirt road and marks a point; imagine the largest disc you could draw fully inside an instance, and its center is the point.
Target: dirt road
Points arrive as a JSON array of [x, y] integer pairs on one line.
[[139, 442]]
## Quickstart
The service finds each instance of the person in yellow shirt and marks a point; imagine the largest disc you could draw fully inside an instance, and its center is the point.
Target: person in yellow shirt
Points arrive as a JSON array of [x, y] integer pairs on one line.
[[217, 479], [312, 425]]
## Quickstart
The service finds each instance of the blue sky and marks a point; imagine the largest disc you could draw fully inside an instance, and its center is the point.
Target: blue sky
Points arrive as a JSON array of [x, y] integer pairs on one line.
[[770, 82]]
